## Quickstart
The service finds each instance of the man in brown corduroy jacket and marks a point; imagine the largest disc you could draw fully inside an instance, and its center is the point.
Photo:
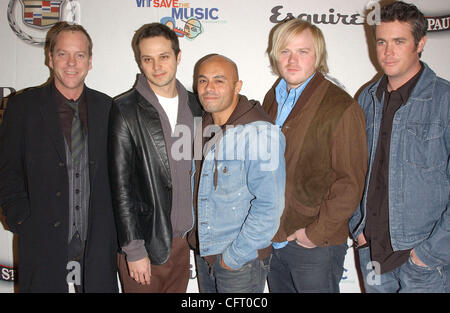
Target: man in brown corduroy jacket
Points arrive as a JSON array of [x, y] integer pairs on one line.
[[326, 161]]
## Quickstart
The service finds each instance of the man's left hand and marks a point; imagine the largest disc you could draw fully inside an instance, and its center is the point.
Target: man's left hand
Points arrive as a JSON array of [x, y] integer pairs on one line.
[[222, 263], [300, 237], [416, 259]]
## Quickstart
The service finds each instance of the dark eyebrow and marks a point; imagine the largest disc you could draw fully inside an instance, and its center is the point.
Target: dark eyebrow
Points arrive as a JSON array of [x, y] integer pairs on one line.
[[215, 77]]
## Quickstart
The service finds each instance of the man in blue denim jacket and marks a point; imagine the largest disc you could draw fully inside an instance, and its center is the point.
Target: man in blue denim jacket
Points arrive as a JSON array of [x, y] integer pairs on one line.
[[402, 226], [238, 183]]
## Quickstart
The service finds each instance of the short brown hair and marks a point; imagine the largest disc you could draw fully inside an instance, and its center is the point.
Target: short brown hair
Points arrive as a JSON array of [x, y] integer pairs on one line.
[[409, 13], [66, 27], [154, 30]]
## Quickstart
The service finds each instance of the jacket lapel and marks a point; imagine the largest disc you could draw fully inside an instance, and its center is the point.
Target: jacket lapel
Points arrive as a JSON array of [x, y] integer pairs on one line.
[[49, 112], [94, 112], [149, 119]]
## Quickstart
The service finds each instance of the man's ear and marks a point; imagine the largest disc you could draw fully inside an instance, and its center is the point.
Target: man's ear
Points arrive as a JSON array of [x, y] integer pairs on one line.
[[238, 87], [90, 62], [50, 60], [421, 44], [179, 57]]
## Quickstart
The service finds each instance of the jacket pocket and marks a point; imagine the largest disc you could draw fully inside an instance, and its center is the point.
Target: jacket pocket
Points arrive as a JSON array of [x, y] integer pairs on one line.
[[423, 145], [230, 176]]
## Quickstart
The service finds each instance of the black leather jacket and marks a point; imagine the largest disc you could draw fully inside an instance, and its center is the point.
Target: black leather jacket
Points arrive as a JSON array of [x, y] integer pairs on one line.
[[140, 174]]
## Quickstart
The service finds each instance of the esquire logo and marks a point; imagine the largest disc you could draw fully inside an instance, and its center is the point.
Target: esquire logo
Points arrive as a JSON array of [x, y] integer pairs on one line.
[[186, 21], [332, 17], [31, 19], [436, 23]]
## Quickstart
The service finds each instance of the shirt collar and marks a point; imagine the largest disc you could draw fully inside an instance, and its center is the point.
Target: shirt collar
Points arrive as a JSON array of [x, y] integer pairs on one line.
[[405, 90], [281, 90]]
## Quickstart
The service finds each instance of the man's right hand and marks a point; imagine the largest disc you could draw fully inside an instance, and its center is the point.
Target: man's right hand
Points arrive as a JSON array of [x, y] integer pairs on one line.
[[140, 271], [361, 240]]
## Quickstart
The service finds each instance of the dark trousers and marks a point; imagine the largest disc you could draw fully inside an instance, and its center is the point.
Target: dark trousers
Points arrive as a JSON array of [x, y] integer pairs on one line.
[[295, 269], [75, 266], [250, 278], [170, 277]]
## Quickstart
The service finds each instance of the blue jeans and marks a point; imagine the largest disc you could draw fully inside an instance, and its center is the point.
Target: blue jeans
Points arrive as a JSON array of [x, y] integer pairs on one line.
[[407, 278], [295, 269], [250, 278]]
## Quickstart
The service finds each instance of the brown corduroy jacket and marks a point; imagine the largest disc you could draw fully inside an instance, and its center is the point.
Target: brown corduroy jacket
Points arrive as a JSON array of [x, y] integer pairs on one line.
[[326, 162]]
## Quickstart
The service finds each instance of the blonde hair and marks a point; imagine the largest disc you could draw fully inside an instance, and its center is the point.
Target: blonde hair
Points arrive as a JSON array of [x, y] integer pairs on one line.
[[285, 31]]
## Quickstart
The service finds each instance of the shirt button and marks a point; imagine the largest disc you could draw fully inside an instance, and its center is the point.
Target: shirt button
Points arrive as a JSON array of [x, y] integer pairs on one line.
[[77, 175], [77, 207], [77, 191], [58, 193], [61, 164], [56, 224]]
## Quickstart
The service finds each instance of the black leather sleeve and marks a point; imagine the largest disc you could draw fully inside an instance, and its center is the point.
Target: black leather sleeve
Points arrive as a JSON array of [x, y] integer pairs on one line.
[[121, 155]]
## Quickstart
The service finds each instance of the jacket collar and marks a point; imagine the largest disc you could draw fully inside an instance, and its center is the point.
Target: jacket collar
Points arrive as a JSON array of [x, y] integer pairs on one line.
[[49, 113], [423, 89]]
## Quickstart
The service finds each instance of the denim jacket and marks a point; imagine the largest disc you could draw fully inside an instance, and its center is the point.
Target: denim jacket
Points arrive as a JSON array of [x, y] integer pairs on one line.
[[419, 214], [241, 192]]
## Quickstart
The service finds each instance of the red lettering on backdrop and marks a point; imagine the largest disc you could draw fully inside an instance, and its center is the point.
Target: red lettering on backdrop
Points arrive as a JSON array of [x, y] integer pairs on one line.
[[166, 3]]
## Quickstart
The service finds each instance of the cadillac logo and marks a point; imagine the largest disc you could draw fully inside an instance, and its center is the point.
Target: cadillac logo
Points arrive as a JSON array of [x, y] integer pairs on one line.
[[30, 19], [41, 13]]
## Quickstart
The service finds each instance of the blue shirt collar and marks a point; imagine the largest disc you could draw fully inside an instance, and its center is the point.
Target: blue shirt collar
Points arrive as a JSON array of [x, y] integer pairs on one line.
[[287, 100]]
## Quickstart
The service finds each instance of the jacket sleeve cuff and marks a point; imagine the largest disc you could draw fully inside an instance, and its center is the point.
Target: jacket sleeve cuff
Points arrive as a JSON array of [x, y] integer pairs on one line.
[[17, 214], [135, 250], [236, 263]]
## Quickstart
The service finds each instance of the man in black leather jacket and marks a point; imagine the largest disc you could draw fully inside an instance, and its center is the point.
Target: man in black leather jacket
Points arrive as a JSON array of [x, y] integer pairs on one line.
[[150, 144]]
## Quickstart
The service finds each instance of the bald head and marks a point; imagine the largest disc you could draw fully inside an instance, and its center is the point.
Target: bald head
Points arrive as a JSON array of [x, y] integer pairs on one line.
[[218, 87], [221, 59]]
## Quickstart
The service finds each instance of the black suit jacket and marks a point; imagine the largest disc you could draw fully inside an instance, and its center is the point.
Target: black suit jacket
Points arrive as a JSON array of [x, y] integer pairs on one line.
[[34, 192]]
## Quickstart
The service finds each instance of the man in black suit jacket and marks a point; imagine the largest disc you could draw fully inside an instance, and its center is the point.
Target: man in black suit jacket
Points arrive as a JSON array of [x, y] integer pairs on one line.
[[54, 183]]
